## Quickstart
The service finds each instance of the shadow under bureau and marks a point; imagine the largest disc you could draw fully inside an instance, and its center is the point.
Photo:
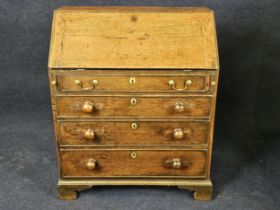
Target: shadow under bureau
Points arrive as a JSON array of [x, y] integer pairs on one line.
[[133, 94]]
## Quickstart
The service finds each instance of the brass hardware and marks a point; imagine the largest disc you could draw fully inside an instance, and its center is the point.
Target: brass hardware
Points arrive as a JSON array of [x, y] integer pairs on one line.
[[134, 125], [132, 80], [133, 155], [89, 134], [213, 83], [91, 164], [80, 84], [87, 107], [175, 163], [133, 101], [172, 84], [53, 82], [179, 107], [178, 133]]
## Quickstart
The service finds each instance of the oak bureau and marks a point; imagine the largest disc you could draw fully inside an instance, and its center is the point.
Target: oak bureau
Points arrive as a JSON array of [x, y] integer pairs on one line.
[[133, 94]]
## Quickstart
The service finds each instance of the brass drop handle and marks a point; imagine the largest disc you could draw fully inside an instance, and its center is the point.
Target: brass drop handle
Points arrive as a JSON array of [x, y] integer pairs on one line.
[[91, 164], [89, 134], [172, 84], [94, 83], [175, 163], [178, 133], [179, 107], [87, 107]]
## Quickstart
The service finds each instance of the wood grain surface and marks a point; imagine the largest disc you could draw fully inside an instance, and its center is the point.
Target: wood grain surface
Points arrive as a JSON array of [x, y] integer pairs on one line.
[[138, 82], [120, 163], [120, 106], [121, 133], [133, 94], [133, 38]]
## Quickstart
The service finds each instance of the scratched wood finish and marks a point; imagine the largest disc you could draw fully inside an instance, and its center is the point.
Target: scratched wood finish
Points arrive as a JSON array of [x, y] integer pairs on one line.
[[120, 163], [132, 82], [120, 106], [121, 133], [133, 38]]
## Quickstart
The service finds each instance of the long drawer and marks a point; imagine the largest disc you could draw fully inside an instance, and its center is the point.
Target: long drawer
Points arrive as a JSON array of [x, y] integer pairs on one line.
[[133, 81], [134, 106], [108, 163], [133, 133]]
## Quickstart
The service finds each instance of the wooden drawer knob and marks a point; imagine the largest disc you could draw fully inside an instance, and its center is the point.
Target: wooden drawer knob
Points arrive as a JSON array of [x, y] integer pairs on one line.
[[89, 134], [175, 163], [87, 107], [91, 164], [179, 107], [178, 133]]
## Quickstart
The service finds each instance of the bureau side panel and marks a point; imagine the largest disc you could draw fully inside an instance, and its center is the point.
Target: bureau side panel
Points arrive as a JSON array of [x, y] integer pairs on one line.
[[53, 89], [212, 122]]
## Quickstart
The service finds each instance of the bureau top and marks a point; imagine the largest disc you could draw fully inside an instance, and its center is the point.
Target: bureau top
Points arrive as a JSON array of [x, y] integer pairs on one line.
[[133, 37]]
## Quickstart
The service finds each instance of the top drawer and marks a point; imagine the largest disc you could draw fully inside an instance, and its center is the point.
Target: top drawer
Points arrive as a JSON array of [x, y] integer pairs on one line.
[[93, 81]]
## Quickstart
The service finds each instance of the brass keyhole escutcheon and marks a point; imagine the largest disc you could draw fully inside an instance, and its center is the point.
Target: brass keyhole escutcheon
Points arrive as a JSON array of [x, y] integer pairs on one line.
[[133, 101], [132, 80], [133, 155], [134, 125]]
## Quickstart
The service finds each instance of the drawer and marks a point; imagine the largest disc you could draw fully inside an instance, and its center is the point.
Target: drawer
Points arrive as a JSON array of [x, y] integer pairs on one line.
[[134, 106], [138, 133], [103, 81], [108, 163]]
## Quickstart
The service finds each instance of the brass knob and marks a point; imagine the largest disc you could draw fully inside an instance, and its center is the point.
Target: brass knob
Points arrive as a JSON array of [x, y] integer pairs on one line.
[[91, 164], [87, 107], [178, 133], [89, 134], [179, 107]]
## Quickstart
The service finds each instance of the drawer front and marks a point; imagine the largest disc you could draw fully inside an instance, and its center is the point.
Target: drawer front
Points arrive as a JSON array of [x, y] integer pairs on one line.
[[134, 106], [137, 133], [102, 163], [91, 83]]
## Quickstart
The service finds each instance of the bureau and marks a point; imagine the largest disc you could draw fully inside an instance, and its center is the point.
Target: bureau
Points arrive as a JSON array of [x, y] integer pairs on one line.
[[133, 93]]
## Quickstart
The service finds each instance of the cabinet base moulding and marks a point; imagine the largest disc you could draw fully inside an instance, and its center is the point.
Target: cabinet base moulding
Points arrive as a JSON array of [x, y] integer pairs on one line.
[[69, 189]]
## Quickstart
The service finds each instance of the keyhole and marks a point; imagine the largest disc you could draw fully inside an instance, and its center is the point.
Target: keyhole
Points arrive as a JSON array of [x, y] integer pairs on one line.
[[132, 80], [133, 101], [133, 155], [134, 125]]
